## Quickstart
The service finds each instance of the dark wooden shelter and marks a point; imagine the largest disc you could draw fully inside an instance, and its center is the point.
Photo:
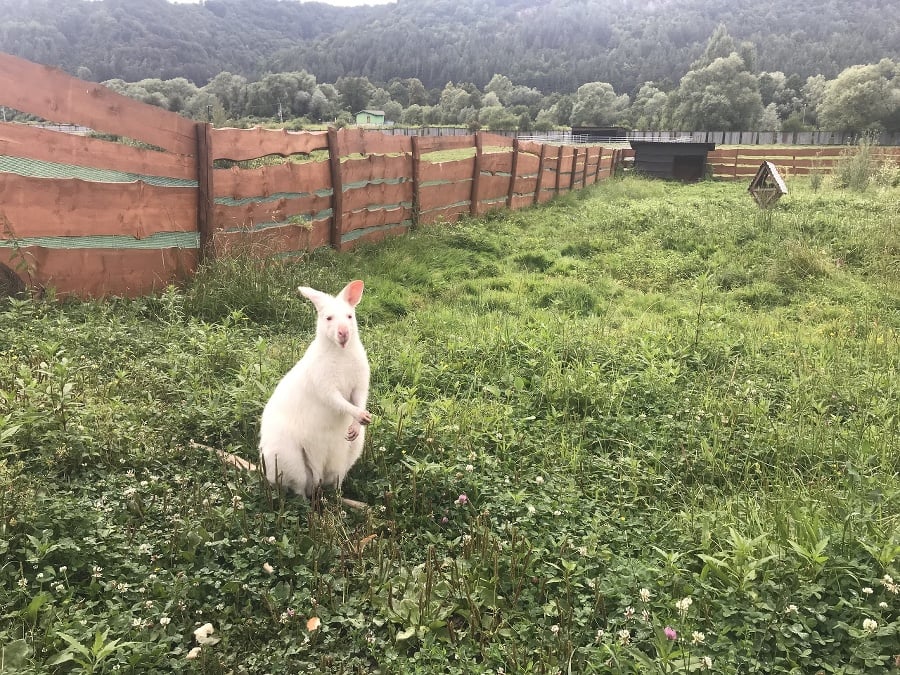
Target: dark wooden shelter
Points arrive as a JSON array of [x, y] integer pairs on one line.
[[680, 160]]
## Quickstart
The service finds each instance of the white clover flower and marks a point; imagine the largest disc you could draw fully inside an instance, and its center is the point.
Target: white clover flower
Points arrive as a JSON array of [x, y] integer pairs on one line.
[[645, 615], [870, 625], [624, 636], [883, 605], [629, 613], [62, 569], [470, 468], [867, 591], [889, 584], [96, 571], [684, 605], [270, 540], [539, 480], [23, 582], [135, 623], [707, 662], [164, 621], [194, 653], [554, 629], [790, 609], [267, 568], [531, 510], [698, 638], [600, 634], [644, 593], [582, 550]]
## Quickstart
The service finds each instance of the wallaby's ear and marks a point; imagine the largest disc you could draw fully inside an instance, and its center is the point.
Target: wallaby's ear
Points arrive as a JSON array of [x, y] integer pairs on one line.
[[317, 298], [352, 292]]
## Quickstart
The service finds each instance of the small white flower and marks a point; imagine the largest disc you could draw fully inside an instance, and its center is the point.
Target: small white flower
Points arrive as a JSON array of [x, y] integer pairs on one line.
[[790, 609], [267, 568], [97, 571], [867, 591], [645, 594], [883, 605], [600, 634], [554, 629], [539, 480], [531, 510], [624, 636], [683, 605], [870, 625], [271, 540], [557, 512], [582, 550], [40, 576], [135, 623], [645, 615], [164, 621], [469, 467], [629, 612], [62, 569], [698, 638], [194, 653], [707, 662], [23, 582]]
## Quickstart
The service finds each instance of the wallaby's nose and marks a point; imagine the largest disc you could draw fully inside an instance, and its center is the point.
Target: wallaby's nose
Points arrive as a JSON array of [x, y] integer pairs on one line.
[[343, 334]]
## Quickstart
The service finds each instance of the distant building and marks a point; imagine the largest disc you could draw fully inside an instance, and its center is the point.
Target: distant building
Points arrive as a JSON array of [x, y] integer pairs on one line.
[[680, 160], [370, 117]]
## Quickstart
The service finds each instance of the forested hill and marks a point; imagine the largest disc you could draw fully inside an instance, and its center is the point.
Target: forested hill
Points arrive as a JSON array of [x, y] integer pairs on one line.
[[552, 45]]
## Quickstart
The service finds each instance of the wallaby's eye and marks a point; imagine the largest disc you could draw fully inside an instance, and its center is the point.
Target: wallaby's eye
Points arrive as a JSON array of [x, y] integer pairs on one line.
[[349, 316], [329, 318]]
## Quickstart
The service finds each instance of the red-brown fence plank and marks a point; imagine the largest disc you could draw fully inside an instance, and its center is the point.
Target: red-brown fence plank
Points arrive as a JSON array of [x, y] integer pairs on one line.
[[58, 97], [243, 144], [95, 273], [273, 240], [377, 195], [376, 167], [273, 179], [495, 140], [445, 214], [257, 213], [497, 162], [360, 141], [491, 188], [44, 207], [364, 219], [375, 236], [456, 170], [442, 196], [440, 143], [31, 142]]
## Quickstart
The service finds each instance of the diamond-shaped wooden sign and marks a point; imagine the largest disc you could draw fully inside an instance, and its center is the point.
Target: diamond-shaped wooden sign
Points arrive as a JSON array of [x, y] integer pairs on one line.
[[767, 186]]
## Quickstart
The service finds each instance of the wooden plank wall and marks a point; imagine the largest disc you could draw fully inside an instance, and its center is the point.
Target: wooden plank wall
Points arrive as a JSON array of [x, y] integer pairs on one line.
[[743, 163], [87, 221], [136, 204]]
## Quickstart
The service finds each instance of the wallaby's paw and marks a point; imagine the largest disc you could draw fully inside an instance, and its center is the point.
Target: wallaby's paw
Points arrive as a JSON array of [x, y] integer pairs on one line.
[[364, 417], [352, 432]]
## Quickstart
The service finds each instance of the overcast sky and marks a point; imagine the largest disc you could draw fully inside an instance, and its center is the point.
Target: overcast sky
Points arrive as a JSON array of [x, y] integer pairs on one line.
[[338, 3]]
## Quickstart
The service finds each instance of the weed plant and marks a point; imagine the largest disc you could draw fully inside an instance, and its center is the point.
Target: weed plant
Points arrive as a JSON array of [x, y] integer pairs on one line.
[[640, 429]]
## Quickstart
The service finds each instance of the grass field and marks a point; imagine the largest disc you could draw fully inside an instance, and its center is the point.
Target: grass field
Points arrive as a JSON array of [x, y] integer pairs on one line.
[[644, 428]]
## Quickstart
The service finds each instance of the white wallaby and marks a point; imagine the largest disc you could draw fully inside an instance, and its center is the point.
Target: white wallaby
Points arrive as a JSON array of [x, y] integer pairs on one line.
[[312, 429]]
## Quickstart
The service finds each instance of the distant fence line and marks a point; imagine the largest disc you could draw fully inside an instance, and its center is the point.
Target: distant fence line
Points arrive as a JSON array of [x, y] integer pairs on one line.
[[718, 137], [91, 217]]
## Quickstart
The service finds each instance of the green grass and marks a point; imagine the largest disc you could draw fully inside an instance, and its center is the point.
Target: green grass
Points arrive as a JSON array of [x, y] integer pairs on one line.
[[646, 392]]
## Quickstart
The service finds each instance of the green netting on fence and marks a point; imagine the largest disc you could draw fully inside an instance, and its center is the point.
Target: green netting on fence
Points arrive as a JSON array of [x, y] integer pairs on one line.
[[35, 168], [158, 240]]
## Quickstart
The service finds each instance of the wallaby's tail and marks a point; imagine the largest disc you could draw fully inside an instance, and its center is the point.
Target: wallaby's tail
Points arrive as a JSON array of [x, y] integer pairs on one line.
[[227, 457]]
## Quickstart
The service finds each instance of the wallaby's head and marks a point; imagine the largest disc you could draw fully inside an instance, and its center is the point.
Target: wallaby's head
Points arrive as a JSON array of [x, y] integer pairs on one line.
[[337, 313]]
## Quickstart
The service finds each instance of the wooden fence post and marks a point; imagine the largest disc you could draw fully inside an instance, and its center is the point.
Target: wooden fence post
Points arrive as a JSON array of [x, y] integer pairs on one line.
[[584, 175], [512, 173], [476, 173], [206, 196], [416, 161], [540, 177], [734, 168], [599, 161], [574, 170], [337, 190], [559, 154]]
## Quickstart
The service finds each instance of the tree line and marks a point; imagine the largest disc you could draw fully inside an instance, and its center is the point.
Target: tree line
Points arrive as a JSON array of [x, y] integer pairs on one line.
[[722, 90]]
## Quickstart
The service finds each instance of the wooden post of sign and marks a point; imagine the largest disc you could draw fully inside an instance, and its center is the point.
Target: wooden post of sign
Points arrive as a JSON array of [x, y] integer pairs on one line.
[[205, 212], [337, 190], [476, 173], [416, 161], [540, 176], [512, 174]]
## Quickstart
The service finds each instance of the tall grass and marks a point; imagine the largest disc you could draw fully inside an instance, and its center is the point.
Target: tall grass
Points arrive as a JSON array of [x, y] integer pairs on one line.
[[636, 430]]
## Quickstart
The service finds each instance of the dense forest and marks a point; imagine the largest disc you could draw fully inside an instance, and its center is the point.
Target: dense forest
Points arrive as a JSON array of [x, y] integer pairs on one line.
[[526, 64], [551, 45]]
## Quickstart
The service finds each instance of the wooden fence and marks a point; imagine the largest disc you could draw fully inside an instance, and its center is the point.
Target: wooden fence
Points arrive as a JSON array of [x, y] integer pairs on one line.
[[742, 163], [135, 209]]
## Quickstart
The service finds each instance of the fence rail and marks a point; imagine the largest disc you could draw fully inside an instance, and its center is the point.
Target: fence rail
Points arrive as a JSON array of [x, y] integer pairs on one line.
[[136, 208]]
